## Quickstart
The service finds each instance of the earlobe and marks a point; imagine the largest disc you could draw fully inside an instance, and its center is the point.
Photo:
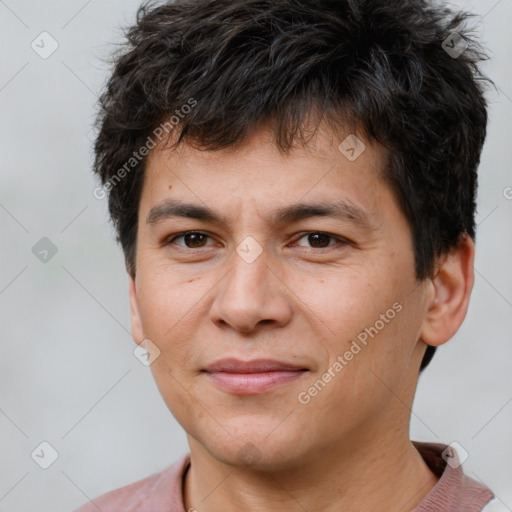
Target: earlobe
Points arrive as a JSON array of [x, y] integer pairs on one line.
[[452, 286], [137, 332]]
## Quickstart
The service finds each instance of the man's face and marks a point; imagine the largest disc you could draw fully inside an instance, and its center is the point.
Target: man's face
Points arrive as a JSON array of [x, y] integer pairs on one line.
[[298, 289]]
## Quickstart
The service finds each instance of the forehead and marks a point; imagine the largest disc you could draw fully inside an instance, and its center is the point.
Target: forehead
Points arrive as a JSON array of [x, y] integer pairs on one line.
[[256, 175]]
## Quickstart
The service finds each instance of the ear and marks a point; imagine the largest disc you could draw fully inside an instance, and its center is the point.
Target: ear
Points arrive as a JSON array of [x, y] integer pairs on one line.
[[137, 332], [451, 289]]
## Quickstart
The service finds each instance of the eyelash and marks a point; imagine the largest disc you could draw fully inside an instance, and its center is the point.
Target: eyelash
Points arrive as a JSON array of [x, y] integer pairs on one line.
[[170, 240]]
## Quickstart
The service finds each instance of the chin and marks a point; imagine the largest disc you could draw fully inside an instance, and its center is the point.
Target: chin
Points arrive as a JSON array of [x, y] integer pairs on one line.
[[264, 450]]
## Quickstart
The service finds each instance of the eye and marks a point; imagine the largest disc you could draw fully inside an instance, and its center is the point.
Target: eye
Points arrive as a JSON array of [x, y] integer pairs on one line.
[[198, 239], [320, 240], [191, 239]]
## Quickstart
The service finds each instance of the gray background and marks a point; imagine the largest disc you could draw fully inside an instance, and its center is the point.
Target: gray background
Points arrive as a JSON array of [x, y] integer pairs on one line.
[[67, 372]]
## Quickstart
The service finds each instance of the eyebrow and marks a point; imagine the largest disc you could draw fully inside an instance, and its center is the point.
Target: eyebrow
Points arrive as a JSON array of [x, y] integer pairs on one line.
[[341, 209]]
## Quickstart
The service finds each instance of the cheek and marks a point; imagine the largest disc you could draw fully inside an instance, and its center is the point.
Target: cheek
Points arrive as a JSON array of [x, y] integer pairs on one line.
[[171, 312], [371, 324], [346, 300], [171, 318]]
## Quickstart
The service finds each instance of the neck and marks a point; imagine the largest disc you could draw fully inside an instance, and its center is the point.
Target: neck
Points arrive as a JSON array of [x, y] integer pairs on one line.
[[371, 472]]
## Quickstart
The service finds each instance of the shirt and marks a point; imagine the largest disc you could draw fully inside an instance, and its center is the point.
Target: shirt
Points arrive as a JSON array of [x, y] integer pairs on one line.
[[163, 492]]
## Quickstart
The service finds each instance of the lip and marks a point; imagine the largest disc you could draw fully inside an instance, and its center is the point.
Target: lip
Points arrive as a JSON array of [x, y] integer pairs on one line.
[[232, 365], [252, 377]]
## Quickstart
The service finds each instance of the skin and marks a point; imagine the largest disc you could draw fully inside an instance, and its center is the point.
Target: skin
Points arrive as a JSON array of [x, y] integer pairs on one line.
[[301, 300]]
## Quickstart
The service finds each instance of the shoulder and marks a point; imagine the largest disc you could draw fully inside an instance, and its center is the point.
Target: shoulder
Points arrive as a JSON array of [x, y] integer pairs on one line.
[[454, 490], [160, 491], [128, 498]]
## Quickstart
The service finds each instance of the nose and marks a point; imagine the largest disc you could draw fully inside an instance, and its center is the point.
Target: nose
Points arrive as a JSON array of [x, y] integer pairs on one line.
[[251, 295]]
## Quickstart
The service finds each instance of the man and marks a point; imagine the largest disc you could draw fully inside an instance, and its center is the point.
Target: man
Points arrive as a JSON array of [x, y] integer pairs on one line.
[[293, 184]]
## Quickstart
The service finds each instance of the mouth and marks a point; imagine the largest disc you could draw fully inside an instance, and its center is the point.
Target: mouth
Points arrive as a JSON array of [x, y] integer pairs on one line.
[[252, 377]]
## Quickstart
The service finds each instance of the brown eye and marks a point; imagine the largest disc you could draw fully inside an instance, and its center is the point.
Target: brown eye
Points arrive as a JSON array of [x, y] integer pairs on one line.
[[318, 240], [191, 239]]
